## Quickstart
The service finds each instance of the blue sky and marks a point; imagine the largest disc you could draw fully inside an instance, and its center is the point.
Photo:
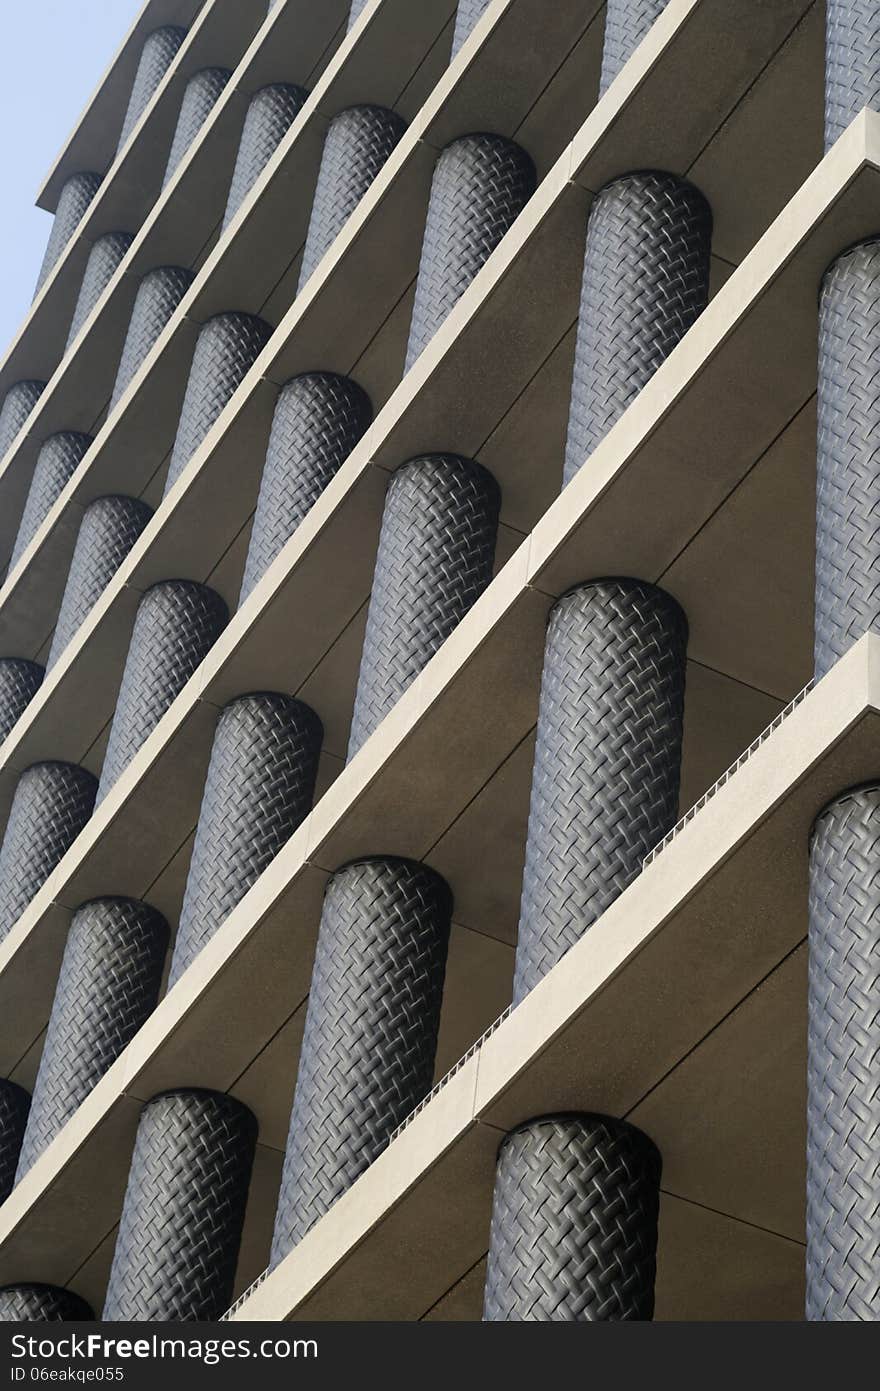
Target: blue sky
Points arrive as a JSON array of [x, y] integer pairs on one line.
[[55, 53]]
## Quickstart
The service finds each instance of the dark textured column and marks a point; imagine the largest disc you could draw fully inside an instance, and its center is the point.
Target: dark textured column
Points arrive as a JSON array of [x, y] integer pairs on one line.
[[271, 113], [574, 1223], [107, 988], [57, 462], [469, 12], [158, 53], [852, 62], [19, 682], [105, 258], [227, 347], [73, 204], [319, 418], [370, 1038], [202, 93], [646, 281], [176, 625], [260, 786], [18, 403], [109, 528], [843, 1061], [626, 24], [848, 458], [52, 803], [184, 1208], [481, 185], [435, 557], [357, 145], [355, 12], [607, 760], [42, 1304], [14, 1104], [159, 294]]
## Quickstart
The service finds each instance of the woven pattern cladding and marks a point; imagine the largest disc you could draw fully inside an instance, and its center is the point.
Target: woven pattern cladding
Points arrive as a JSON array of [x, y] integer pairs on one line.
[[436, 550], [227, 348], [358, 143], [260, 786], [176, 625], [108, 530], [73, 204], [18, 403], [843, 1061], [51, 805], [181, 1224], [469, 12], [355, 12], [105, 258], [574, 1223], [319, 418], [57, 461], [371, 1032], [159, 294], [481, 185], [626, 24], [203, 91], [607, 761], [645, 282], [848, 457], [157, 55], [19, 682], [42, 1304], [14, 1104], [107, 988], [852, 62], [271, 113]]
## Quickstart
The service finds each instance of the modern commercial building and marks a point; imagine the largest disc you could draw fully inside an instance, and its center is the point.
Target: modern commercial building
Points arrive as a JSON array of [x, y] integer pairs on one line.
[[459, 732]]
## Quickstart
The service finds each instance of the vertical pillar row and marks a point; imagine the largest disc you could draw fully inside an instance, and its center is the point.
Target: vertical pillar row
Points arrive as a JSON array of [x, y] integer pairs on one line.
[[19, 682], [14, 1106], [574, 1223], [107, 988], [481, 184], [176, 625], [435, 558], [370, 1035], [259, 789], [51, 805], [183, 1214], [626, 24], [843, 1061], [73, 204], [270, 114], [105, 258], [202, 93], [59, 457], [108, 530], [227, 347], [18, 403], [158, 53], [42, 1304], [357, 145], [318, 420], [158, 296]]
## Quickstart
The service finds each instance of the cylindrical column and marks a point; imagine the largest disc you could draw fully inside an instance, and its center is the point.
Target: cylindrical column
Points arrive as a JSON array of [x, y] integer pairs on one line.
[[19, 682], [436, 550], [607, 760], [42, 1304], [843, 1061], [355, 12], [176, 625], [318, 421], [159, 294], [157, 55], [57, 462], [645, 282], [481, 185], [574, 1223], [469, 12], [271, 113], [14, 1104], [18, 403], [107, 988], [227, 347], [184, 1208], [202, 93], [357, 144], [848, 458], [852, 63], [105, 258], [108, 530], [52, 803], [73, 204], [626, 24], [371, 1031], [260, 786]]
